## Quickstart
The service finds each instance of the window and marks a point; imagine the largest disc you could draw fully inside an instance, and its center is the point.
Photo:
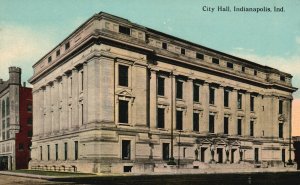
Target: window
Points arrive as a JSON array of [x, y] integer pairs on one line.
[[196, 93], [126, 149], [251, 128], [226, 98], [182, 51], [211, 124], [48, 152], [3, 108], [21, 146], [215, 61], [7, 106], [29, 121], [251, 103], [58, 52], [67, 45], [160, 86], [239, 101], [211, 95], [164, 45], [41, 153], [3, 135], [7, 122], [123, 75], [29, 133], [82, 80], [49, 59], [282, 78], [124, 30], [255, 72], [160, 118], [226, 119], [3, 124], [178, 120], [179, 89], [230, 65], [123, 111], [243, 68], [280, 130], [239, 127], [66, 151], [56, 152], [166, 151], [280, 111], [7, 134], [196, 122], [29, 108], [82, 114], [76, 150], [199, 56]]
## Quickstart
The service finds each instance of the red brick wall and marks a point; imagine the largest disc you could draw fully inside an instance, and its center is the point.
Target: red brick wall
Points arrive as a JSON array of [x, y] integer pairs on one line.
[[23, 155]]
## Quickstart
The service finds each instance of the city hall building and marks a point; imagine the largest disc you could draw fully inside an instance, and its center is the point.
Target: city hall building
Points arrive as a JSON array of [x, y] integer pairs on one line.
[[16, 122], [116, 97]]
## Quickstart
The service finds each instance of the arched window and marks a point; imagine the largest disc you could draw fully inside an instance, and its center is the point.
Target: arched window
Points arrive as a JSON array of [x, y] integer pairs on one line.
[[7, 106], [3, 108]]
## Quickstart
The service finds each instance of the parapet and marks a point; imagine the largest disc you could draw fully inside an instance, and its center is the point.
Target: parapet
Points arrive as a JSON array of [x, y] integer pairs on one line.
[[15, 70]]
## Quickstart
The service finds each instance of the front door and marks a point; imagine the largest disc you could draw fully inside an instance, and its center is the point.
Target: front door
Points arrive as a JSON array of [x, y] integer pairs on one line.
[[220, 155]]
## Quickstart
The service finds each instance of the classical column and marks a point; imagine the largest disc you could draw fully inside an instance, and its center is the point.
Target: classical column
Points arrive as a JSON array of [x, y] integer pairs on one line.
[[173, 113], [153, 98], [55, 100], [205, 102], [42, 111], [75, 92], [93, 88], [190, 105], [64, 107], [220, 107], [85, 92]]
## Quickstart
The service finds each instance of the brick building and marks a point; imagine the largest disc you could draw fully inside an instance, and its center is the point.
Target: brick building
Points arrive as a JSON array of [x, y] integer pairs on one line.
[[115, 96], [16, 122]]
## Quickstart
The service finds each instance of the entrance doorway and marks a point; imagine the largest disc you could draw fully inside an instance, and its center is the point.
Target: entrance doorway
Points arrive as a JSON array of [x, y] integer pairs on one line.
[[4, 163], [232, 155], [220, 155], [202, 154]]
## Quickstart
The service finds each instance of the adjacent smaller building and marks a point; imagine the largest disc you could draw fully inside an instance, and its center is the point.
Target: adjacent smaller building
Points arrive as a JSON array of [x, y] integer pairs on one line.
[[16, 122]]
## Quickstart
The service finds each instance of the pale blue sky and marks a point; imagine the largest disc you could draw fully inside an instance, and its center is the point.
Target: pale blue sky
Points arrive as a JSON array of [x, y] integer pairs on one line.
[[29, 29]]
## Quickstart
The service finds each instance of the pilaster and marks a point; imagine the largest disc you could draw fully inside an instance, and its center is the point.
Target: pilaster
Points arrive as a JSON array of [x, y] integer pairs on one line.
[[153, 98]]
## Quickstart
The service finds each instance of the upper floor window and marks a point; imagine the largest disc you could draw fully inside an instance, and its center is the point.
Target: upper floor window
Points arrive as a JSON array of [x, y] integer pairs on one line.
[[3, 108], [178, 120], [76, 150], [226, 120], [211, 126], [243, 68], [196, 93], [7, 106], [255, 72], [251, 128], [280, 130], [125, 30], [239, 100], [160, 117], [123, 75], [29, 121], [199, 56], [215, 61], [29, 108], [230, 65], [282, 78], [226, 98], [161, 86], [49, 59], [164, 45], [123, 111], [280, 111], [182, 51], [67, 45], [196, 122], [251, 103], [211, 95], [239, 127], [58, 52], [179, 89]]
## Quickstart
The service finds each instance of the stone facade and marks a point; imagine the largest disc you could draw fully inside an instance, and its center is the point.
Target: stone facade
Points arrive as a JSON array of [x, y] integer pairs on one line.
[[107, 97], [15, 113]]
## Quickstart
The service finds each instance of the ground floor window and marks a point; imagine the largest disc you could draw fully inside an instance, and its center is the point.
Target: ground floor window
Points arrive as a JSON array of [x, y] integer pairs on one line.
[[166, 151], [126, 149]]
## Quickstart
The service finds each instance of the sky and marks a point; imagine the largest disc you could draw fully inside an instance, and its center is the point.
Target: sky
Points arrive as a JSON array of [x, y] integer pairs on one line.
[[31, 28]]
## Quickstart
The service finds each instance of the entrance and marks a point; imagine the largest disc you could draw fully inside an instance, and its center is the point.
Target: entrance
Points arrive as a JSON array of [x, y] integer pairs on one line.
[[4, 163], [220, 155], [202, 157], [232, 155], [256, 156]]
